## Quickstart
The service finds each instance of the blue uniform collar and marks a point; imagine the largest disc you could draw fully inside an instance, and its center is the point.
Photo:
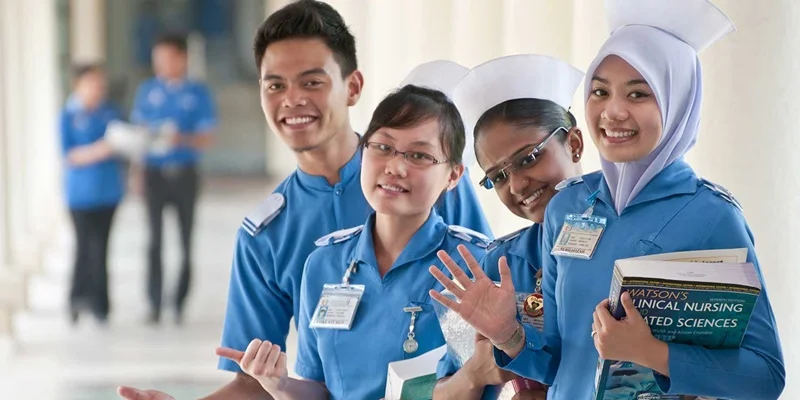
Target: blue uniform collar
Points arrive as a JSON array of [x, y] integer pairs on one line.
[[425, 241], [346, 174], [527, 245], [677, 178]]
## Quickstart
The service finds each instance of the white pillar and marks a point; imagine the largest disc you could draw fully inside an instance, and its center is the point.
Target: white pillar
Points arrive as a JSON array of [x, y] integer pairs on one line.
[[477, 31], [748, 143], [87, 30], [538, 26], [589, 32]]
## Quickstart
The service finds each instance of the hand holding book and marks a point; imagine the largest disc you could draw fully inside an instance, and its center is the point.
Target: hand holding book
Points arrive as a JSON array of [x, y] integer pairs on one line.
[[628, 339], [490, 309]]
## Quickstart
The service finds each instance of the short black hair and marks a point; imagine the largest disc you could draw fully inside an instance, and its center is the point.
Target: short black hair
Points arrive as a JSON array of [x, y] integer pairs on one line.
[[411, 106], [308, 19], [174, 40], [80, 70], [527, 113]]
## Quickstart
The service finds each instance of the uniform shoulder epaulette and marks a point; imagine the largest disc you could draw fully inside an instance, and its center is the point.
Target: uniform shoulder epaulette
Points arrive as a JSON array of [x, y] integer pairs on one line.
[[257, 219], [497, 242], [338, 236], [569, 182], [720, 191], [469, 235]]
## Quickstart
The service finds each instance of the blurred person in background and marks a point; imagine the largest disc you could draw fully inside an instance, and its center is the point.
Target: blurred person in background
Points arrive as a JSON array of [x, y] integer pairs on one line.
[[182, 113], [94, 186]]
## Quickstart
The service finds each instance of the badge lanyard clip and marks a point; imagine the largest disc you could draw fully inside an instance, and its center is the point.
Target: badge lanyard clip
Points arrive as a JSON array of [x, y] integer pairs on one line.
[[592, 200], [350, 270]]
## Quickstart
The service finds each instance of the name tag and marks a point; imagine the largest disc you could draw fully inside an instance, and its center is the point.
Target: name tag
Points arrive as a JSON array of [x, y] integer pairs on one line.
[[337, 306], [579, 236]]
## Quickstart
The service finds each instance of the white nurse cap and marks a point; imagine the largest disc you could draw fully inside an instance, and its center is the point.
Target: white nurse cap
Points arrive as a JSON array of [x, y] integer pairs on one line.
[[699, 23], [441, 75], [525, 76]]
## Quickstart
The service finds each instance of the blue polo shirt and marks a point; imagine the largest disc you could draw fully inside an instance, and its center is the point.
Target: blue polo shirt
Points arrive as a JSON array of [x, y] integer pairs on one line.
[[187, 104], [353, 363], [270, 253], [98, 185]]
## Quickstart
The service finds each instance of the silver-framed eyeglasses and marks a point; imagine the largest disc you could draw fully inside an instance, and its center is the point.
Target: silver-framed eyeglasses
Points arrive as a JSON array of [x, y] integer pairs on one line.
[[523, 161], [416, 158]]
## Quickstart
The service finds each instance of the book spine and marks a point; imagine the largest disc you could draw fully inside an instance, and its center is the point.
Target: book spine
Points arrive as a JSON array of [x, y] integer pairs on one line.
[[601, 375], [614, 305]]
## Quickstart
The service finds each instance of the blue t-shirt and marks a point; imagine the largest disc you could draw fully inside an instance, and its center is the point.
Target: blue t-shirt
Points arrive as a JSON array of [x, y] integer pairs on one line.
[[353, 363], [97, 185], [188, 105]]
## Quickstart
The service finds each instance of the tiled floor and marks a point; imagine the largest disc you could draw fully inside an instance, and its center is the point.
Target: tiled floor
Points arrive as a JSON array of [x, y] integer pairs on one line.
[[54, 361]]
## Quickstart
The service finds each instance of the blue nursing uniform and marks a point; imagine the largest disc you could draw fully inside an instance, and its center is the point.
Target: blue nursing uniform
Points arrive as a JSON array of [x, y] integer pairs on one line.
[[188, 104], [353, 364], [522, 252], [275, 240], [676, 211], [98, 185]]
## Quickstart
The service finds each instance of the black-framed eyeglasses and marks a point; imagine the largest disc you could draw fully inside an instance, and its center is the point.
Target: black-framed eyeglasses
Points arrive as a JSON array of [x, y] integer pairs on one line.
[[416, 158], [522, 162]]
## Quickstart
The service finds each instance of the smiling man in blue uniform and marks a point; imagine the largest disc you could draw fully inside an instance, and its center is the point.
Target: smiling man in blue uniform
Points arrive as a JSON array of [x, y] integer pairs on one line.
[[643, 95], [309, 78]]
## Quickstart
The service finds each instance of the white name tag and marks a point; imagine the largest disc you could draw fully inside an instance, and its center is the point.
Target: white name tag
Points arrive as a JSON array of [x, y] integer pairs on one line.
[[579, 236], [337, 306]]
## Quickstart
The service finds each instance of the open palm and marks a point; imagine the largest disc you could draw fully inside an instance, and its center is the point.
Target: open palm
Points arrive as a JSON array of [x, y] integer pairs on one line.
[[489, 308]]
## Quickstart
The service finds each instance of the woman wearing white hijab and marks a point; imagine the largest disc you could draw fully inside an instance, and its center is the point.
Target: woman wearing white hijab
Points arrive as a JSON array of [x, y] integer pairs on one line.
[[643, 98]]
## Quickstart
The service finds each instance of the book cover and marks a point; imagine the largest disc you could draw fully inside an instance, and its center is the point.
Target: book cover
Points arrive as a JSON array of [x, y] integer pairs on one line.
[[704, 299], [460, 338]]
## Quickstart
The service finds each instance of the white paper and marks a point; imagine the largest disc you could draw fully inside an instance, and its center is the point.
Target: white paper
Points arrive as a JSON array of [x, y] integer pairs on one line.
[[403, 370]]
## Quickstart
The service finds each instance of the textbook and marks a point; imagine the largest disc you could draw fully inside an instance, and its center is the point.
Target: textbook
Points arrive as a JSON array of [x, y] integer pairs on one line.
[[460, 338], [414, 378], [703, 298]]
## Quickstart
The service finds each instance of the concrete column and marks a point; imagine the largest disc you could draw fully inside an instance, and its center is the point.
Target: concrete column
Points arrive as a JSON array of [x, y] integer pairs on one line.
[[749, 143], [87, 30], [589, 32], [41, 101]]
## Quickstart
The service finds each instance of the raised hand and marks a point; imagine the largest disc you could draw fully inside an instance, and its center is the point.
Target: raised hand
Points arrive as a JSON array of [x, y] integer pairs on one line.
[[490, 309], [263, 361], [129, 393]]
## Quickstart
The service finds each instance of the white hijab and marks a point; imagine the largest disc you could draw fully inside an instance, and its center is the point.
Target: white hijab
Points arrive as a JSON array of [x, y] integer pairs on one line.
[[672, 69]]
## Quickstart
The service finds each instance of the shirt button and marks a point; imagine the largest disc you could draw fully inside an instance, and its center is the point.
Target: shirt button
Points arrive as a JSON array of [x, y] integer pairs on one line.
[[338, 192]]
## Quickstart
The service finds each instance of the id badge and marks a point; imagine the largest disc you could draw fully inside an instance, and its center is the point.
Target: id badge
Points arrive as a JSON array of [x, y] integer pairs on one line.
[[337, 306], [579, 236]]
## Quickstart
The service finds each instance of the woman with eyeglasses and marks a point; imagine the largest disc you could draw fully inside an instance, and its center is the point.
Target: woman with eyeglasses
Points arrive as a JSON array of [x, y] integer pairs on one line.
[[527, 142], [364, 292]]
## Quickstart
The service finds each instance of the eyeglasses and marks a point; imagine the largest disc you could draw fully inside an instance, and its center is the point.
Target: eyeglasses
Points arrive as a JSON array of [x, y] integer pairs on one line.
[[522, 162], [416, 158]]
